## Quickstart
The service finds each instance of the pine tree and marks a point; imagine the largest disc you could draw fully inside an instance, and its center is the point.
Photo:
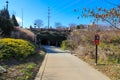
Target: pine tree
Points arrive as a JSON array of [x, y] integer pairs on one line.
[[5, 14], [6, 25], [15, 23]]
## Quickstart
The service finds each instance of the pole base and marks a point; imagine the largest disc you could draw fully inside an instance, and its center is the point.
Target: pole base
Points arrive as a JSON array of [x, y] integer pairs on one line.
[[95, 64]]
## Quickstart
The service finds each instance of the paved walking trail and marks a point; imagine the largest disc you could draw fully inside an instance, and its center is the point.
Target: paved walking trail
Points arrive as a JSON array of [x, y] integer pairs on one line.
[[60, 65]]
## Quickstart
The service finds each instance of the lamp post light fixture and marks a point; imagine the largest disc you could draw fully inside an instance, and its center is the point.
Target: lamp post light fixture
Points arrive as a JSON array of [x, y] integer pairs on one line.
[[7, 5]]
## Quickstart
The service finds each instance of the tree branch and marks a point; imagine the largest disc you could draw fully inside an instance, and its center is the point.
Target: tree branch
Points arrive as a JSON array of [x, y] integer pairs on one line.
[[110, 23]]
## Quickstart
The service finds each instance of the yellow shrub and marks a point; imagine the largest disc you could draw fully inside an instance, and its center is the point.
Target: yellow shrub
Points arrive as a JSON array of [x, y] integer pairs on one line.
[[16, 48]]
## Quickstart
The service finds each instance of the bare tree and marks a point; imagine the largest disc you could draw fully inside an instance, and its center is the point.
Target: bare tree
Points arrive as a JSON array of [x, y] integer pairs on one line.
[[58, 25], [72, 26], [111, 16], [38, 23]]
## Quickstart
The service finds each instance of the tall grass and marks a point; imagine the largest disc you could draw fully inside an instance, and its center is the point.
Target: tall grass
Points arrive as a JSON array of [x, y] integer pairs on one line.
[[22, 33], [109, 48]]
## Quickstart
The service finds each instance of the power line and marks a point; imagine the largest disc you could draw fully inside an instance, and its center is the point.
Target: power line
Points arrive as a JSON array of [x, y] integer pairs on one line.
[[61, 9], [66, 6], [111, 3]]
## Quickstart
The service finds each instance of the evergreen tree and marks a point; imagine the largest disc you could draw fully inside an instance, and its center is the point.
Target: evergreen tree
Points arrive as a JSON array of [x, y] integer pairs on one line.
[[5, 14], [6, 25], [15, 23]]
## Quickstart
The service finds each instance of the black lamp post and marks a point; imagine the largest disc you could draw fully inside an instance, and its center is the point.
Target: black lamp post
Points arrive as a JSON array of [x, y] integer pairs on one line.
[[7, 5], [35, 32]]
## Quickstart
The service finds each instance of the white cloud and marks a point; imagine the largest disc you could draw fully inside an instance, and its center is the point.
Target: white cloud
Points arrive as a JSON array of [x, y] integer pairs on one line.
[[19, 20]]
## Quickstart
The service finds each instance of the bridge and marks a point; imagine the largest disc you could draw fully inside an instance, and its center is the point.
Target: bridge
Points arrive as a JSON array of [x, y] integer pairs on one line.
[[50, 36]]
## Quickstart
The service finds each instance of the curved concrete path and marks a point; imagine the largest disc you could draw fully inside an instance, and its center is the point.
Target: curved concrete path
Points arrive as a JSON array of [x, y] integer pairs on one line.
[[59, 65]]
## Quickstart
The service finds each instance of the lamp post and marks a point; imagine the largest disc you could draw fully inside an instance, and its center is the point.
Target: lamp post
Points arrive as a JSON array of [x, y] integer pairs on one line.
[[35, 33], [7, 5]]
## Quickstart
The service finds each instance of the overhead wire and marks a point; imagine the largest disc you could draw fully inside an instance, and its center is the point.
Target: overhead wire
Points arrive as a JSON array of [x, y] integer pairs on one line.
[[67, 5], [64, 8], [61, 9], [114, 4]]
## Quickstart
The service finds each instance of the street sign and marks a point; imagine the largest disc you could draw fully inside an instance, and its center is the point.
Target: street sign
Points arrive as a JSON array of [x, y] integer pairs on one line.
[[96, 42]]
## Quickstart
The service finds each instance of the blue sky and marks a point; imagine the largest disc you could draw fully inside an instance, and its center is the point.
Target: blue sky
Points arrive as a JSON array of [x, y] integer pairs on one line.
[[61, 10]]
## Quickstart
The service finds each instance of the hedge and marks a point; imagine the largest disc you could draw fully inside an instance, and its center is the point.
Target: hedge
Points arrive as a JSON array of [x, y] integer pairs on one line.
[[15, 48]]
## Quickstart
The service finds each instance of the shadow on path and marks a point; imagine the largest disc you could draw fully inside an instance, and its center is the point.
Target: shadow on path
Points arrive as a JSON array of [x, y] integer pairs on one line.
[[53, 50]]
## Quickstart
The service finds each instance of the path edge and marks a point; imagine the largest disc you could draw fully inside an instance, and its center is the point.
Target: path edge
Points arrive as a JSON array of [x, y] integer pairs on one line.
[[41, 69]]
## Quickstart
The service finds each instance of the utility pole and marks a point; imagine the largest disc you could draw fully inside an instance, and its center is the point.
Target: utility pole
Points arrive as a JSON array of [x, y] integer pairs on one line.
[[22, 17], [48, 17], [7, 5]]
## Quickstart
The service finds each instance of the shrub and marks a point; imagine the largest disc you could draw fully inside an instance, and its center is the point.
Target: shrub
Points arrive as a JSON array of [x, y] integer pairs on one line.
[[112, 36], [68, 45], [111, 51], [16, 48], [64, 43]]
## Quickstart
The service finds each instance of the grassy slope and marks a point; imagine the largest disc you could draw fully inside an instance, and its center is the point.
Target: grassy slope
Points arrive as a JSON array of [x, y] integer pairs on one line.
[[109, 59]]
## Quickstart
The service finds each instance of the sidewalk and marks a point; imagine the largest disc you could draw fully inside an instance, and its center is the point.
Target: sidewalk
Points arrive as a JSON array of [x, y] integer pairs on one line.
[[64, 66]]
